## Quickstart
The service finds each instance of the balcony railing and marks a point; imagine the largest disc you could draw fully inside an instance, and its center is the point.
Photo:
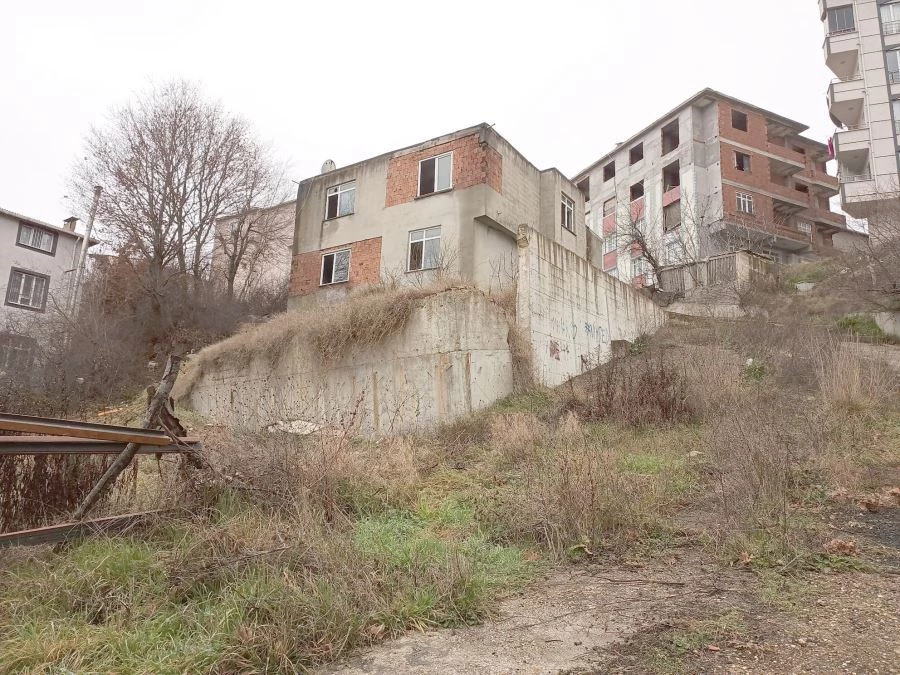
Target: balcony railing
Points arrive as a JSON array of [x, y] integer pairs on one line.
[[841, 31], [891, 27], [845, 177]]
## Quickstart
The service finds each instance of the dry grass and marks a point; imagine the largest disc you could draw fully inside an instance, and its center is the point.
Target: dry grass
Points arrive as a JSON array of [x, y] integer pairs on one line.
[[849, 380]]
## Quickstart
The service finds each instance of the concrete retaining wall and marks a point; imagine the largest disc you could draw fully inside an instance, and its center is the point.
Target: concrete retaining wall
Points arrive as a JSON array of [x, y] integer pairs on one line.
[[572, 311], [451, 359]]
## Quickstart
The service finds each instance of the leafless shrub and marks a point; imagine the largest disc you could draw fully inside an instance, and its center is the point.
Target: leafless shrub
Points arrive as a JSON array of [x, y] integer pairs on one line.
[[850, 380]]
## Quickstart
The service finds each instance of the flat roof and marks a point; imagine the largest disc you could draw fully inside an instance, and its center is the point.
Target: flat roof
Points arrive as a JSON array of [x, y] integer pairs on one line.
[[41, 223], [797, 127]]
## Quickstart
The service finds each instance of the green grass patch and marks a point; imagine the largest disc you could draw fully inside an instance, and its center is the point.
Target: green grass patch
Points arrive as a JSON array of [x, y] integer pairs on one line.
[[861, 325]]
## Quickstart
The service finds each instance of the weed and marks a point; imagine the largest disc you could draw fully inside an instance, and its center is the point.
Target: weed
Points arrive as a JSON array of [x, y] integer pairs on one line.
[[861, 325]]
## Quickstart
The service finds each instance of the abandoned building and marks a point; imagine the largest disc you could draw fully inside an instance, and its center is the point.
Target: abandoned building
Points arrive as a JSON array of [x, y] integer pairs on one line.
[[451, 205], [714, 175]]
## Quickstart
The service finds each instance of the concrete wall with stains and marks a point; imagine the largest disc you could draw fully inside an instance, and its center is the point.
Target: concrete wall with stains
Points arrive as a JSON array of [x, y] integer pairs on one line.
[[572, 311], [451, 359]]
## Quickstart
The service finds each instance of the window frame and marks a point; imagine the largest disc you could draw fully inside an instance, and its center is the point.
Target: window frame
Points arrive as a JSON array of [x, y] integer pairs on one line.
[[738, 165], [340, 189], [611, 202], [567, 212], [832, 11], [44, 295], [32, 226], [610, 243], [674, 206], [16, 344], [744, 198], [349, 252], [435, 159], [410, 242]]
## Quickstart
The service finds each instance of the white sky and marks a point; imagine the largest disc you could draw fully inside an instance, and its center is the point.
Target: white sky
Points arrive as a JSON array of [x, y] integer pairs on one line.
[[351, 79]]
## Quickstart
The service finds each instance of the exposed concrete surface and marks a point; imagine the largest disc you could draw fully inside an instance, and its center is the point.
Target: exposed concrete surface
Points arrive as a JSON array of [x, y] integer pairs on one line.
[[572, 311], [451, 359], [889, 322]]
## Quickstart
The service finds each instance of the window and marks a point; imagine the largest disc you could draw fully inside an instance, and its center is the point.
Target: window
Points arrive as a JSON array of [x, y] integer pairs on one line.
[[609, 171], [37, 238], [567, 212], [424, 249], [742, 161], [16, 352], [335, 267], [435, 174], [671, 176], [890, 18], [801, 188], [674, 252], [804, 226], [639, 267], [585, 188], [670, 137], [609, 207], [744, 203], [340, 200], [671, 216], [636, 154], [27, 289], [609, 243], [840, 20], [893, 63], [738, 120], [637, 190]]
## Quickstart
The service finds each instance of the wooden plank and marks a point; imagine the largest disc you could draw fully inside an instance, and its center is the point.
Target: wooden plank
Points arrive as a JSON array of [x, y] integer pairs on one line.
[[70, 445], [99, 432], [53, 534]]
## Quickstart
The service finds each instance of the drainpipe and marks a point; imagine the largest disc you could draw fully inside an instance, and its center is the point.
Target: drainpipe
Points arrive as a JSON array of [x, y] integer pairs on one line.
[[82, 259]]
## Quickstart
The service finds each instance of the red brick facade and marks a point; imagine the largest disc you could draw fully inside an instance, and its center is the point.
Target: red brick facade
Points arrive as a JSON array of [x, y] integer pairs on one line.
[[365, 266], [473, 163]]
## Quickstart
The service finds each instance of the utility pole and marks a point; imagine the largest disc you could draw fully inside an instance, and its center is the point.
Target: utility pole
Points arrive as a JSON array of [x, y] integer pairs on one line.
[[82, 258]]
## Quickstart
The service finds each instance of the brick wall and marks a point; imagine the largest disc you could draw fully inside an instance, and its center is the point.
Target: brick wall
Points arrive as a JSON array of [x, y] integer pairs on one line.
[[473, 163], [365, 266]]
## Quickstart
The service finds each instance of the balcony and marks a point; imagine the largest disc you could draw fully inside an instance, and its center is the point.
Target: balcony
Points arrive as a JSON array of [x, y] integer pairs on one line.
[[842, 52], [819, 184], [852, 147], [752, 233], [846, 102]]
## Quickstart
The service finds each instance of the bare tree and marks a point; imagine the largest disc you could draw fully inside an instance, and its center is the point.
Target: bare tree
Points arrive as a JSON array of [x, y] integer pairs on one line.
[[170, 164]]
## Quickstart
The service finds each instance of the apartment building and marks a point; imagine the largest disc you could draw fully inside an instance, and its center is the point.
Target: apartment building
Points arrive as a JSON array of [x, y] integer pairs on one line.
[[451, 205], [37, 263], [862, 49], [716, 174]]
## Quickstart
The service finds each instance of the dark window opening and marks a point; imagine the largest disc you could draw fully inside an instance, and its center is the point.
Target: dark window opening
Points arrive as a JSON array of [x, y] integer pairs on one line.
[[671, 176], [435, 174], [738, 120], [636, 154], [609, 171], [585, 187], [742, 161], [799, 149], [637, 190], [609, 206], [670, 137], [801, 188], [335, 267]]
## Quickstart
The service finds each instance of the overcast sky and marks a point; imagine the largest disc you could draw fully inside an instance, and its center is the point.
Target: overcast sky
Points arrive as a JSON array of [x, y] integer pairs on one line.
[[348, 80]]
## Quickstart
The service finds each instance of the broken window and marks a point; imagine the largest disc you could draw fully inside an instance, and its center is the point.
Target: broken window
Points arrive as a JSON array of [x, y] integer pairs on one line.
[[27, 289], [637, 190], [672, 216], [609, 171], [17, 352], [636, 154], [671, 176], [840, 20], [670, 137], [424, 249], [738, 120], [742, 161], [744, 203], [567, 212], [435, 174], [335, 267], [340, 200]]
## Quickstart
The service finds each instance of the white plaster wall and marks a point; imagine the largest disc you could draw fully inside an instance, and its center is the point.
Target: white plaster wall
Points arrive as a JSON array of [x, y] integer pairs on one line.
[[450, 360], [572, 311]]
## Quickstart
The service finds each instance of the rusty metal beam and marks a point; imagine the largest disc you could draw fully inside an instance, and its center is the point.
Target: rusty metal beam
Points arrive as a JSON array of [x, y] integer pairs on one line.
[[98, 432], [54, 534], [69, 445]]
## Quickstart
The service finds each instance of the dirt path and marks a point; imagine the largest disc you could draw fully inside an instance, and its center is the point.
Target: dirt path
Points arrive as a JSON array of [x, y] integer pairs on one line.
[[684, 613]]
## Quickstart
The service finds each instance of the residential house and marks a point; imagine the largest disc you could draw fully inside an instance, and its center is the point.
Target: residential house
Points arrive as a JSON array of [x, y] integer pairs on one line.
[[451, 205], [37, 263], [713, 175]]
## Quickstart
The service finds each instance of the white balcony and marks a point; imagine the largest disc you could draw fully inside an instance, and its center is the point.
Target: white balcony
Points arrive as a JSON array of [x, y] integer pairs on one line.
[[842, 53], [845, 102]]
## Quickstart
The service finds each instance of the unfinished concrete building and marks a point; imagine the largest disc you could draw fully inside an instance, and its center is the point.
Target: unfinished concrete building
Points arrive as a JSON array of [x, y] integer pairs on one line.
[[714, 175], [448, 206]]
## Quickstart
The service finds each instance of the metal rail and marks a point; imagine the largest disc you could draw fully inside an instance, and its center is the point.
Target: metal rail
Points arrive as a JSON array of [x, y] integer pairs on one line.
[[54, 534], [70, 445], [98, 432]]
